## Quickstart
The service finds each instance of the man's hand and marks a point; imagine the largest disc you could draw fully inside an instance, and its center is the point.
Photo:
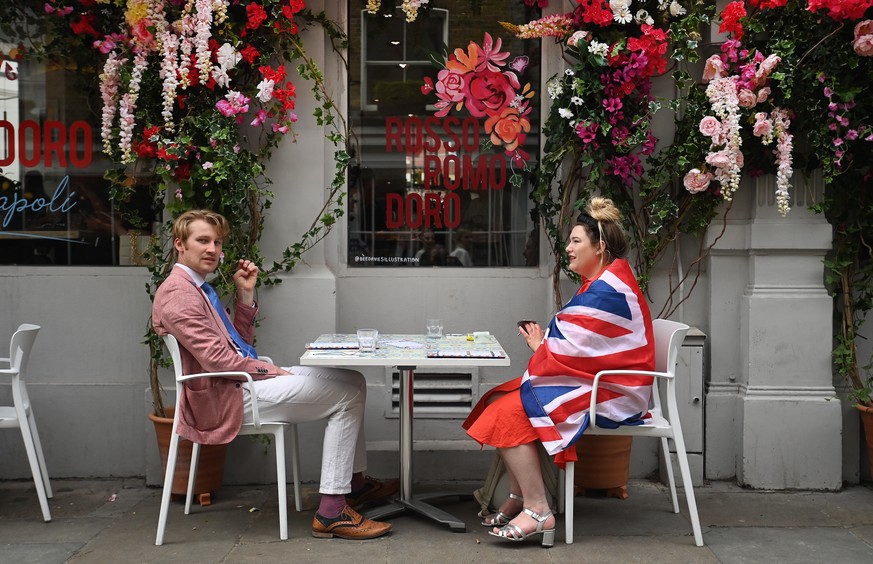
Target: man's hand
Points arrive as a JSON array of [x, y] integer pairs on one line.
[[245, 278]]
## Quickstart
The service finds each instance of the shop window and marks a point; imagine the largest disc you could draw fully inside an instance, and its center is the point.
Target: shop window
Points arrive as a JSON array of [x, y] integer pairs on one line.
[[438, 181], [54, 202]]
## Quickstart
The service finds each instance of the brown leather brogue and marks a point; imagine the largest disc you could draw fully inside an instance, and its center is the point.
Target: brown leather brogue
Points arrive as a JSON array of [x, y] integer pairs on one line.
[[349, 525]]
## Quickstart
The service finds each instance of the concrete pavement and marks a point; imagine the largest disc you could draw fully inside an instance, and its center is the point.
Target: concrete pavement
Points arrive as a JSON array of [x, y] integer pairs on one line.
[[114, 522]]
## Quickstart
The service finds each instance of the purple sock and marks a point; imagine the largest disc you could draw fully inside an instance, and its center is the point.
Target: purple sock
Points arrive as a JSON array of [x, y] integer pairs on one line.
[[331, 505], [357, 481]]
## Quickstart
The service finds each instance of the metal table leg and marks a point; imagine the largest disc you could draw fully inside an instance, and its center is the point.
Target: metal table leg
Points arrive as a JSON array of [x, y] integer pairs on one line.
[[406, 500]]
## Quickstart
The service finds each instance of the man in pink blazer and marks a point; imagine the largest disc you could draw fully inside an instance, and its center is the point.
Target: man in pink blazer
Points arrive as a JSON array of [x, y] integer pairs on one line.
[[212, 410]]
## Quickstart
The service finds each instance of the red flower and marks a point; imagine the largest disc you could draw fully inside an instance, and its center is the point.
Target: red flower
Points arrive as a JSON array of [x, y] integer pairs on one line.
[[84, 24], [249, 54], [488, 93], [145, 149], [768, 4], [841, 9], [730, 19], [163, 154], [427, 87], [256, 16], [183, 171], [595, 11]]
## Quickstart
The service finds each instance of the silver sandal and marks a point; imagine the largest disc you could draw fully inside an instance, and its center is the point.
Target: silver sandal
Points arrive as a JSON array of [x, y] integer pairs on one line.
[[500, 518], [514, 533]]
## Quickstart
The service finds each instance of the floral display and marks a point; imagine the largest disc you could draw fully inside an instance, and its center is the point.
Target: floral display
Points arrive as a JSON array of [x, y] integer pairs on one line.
[[481, 80], [195, 97], [739, 84], [602, 104], [816, 88]]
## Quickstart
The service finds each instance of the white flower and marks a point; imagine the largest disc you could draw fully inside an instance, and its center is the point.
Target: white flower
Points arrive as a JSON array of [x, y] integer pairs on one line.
[[227, 56], [676, 8], [643, 17], [576, 100], [220, 76], [565, 113], [554, 88], [265, 90], [569, 72], [663, 4], [619, 5], [622, 16], [598, 48]]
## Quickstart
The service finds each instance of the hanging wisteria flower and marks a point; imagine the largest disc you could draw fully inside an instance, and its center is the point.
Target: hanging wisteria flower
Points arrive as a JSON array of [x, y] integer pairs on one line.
[[784, 149]]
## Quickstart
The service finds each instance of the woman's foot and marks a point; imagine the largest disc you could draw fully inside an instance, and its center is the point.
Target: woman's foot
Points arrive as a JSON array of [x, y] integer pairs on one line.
[[526, 524], [506, 512]]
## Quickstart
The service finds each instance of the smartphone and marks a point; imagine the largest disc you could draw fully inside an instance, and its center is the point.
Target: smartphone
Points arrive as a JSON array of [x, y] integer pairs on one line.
[[524, 322]]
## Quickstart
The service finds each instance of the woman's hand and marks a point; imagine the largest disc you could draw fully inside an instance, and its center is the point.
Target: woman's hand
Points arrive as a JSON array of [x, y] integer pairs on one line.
[[532, 333]]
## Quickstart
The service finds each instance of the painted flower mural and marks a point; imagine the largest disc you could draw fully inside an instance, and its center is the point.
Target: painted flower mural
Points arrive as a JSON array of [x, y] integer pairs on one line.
[[482, 80]]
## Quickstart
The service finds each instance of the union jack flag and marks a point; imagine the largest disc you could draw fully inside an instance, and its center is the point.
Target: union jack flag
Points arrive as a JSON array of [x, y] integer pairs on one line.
[[606, 325]]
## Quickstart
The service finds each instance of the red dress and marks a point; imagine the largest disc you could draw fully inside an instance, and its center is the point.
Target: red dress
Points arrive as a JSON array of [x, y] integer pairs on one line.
[[501, 423]]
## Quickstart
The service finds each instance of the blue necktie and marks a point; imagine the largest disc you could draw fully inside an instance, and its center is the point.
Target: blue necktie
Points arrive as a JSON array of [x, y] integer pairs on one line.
[[246, 349]]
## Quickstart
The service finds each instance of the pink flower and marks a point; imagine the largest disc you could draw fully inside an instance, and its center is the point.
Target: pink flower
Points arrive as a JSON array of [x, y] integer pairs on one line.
[[763, 94], [260, 118], [710, 126], [450, 86], [207, 165], [863, 43], [719, 159], [520, 63], [577, 37], [767, 66], [696, 180], [49, 9], [763, 127], [852, 134], [747, 98], [280, 129], [714, 68]]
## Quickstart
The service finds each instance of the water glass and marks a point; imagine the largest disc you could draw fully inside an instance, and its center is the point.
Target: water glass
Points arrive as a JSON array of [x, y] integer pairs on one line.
[[434, 328], [367, 339]]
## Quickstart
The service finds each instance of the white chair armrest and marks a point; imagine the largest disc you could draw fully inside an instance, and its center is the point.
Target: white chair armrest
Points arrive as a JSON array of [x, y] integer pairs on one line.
[[256, 418], [266, 358], [592, 408], [8, 371]]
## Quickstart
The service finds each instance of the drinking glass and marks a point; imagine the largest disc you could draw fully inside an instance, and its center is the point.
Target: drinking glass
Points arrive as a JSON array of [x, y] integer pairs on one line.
[[367, 339], [434, 328]]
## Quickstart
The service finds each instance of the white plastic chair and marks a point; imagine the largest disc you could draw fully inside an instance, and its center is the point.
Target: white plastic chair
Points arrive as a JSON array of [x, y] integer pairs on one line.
[[669, 335], [20, 414], [277, 429]]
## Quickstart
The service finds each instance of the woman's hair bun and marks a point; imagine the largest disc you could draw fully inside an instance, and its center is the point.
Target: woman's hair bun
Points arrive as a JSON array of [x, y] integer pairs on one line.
[[603, 209]]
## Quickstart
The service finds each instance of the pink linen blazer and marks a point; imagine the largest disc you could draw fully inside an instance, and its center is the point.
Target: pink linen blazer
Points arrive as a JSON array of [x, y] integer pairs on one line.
[[211, 409]]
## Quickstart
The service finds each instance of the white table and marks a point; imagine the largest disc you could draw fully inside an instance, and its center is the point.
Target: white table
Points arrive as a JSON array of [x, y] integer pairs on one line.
[[444, 352]]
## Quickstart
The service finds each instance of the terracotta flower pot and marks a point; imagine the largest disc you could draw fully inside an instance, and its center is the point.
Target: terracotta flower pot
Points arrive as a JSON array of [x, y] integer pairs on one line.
[[603, 464], [867, 420], [210, 467]]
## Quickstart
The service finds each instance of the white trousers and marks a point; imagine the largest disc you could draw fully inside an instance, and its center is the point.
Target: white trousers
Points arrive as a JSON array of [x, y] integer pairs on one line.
[[311, 393]]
